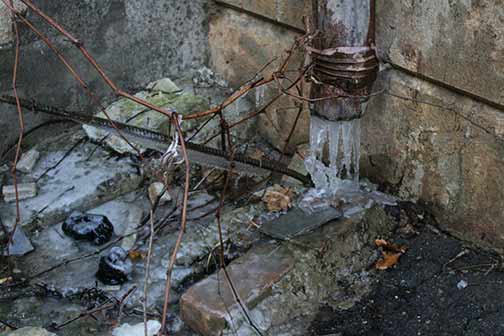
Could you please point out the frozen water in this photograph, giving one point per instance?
(153, 328)
(340, 166)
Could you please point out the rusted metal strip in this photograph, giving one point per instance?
(199, 153)
(344, 58)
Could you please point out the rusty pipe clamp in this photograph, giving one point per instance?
(342, 76)
(352, 69)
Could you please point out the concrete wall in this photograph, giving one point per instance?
(135, 41)
(436, 133)
(245, 36)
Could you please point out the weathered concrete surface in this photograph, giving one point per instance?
(460, 42)
(6, 31)
(283, 284)
(288, 12)
(441, 148)
(240, 46)
(29, 331)
(127, 111)
(78, 183)
(257, 271)
(135, 41)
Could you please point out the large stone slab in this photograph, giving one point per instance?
(77, 183)
(430, 144)
(460, 43)
(282, 284)
(287, 12)
(205, 306)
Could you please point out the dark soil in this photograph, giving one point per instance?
(420, 296)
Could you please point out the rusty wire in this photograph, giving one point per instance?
(218, 110)
(21, 125)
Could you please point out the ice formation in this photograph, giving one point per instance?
(334, 156)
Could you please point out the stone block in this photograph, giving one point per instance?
(240, 45)
(25, 191)
(291, 12)
(460, 43)
(287, 12)
(280, 283)
(6, 34)
(267, 8)
(426, 143)
(28, 161)
(253, 275)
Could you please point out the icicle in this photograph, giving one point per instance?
(342, 139)
(356, 149)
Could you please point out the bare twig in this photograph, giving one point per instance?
(21, 125)
(183, 223)
(147, 269)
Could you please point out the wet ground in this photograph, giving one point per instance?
(440, 287)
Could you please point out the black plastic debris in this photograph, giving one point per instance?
(115, 267)
(94, 228)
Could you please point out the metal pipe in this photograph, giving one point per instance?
(344, 57)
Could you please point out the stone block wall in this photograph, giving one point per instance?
(244, 37)
(436, 133)
(135, 41)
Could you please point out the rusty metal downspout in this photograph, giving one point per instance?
(344, 58)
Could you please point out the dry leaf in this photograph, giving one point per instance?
(387, 246)
(278, 198)
(390, 259)
(257, 155)
(135, 255)
(390, 254)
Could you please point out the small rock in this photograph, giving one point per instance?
(29, 331)
(164, 85)
(155, 190)
(93, 228)
(28, 161)
(25, 190)
(20, 245)
(205, 78)
(115, 267)
(462, 284)
(153, 328)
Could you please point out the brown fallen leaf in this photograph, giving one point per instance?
(135, 255)
(387, 246)
(257, 155)
(389, 260)
(390, 254)
(278, 198)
